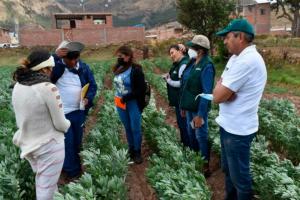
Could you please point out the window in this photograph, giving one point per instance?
(99, 21)
(262, 11)
(249, 8)
(72, 24)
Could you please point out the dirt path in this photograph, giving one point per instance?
(136, 181)
(216, 180)
(162, 104)
(92, 119)
(292, 98)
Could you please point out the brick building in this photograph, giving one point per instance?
(4, 35)
(258, 13)
(88, 28)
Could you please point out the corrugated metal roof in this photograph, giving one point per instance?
(252, 2)
(263, 1)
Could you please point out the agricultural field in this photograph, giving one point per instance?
(169, 171)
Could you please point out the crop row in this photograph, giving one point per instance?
(105, 160)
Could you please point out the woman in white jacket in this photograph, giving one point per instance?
(40, 120)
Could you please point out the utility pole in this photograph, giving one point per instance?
(82, 2)
(16, 34)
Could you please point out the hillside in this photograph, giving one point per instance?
(125, 13)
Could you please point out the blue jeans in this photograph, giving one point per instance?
(181, 122)
(236, 165)
(132, 119)
(193, 143)
(73, 140)
(199, 136)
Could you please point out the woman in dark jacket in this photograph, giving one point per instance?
(173, 79)
(129, 82)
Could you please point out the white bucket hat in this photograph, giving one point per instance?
(200, 40)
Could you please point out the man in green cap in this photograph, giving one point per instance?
(238, 94)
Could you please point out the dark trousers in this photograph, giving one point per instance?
(193, 143)
(236, 165)
(181, 122)
(199, 136)
(73, 140)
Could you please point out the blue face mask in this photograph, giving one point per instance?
(209, 97)
(192, 53)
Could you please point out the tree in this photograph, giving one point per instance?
(205, 17)
(290, 10)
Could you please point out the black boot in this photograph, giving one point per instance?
(131, 153)
(206, 170)
(137, 159)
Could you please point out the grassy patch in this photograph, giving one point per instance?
(288, 74)
(12, 57)
(273, 41)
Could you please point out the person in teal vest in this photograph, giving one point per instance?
(200, 80)
(173, 79)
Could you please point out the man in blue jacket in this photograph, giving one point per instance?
(70, 75)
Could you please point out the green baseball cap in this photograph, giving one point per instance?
(241, 25)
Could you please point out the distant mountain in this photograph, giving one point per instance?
(125, 12)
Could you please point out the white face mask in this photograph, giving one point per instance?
(192, 53)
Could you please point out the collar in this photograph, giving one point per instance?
(246, 50)
(77, 64)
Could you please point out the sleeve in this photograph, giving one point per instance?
(53, 101)
(177, 84)
(181, 70)
(172, 83)
(93, 86)
(57, 70)
(207, 80)
(139, 85)
(236, 76)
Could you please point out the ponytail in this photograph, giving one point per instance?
(22, 70)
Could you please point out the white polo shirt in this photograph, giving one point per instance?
(246, 75)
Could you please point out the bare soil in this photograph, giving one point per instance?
(136, 181)
(92, 119)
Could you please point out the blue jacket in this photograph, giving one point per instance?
(85, 75)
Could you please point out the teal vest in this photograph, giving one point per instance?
(173, 93)
(193, 86)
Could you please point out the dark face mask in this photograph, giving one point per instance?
(121, 61)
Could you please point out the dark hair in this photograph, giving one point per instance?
(35, 57)
(127, 51)
(72, 55)
(248, 37)
(174, 46)
(198, 47)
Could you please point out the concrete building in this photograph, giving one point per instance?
(258, 13)
(88, 28)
